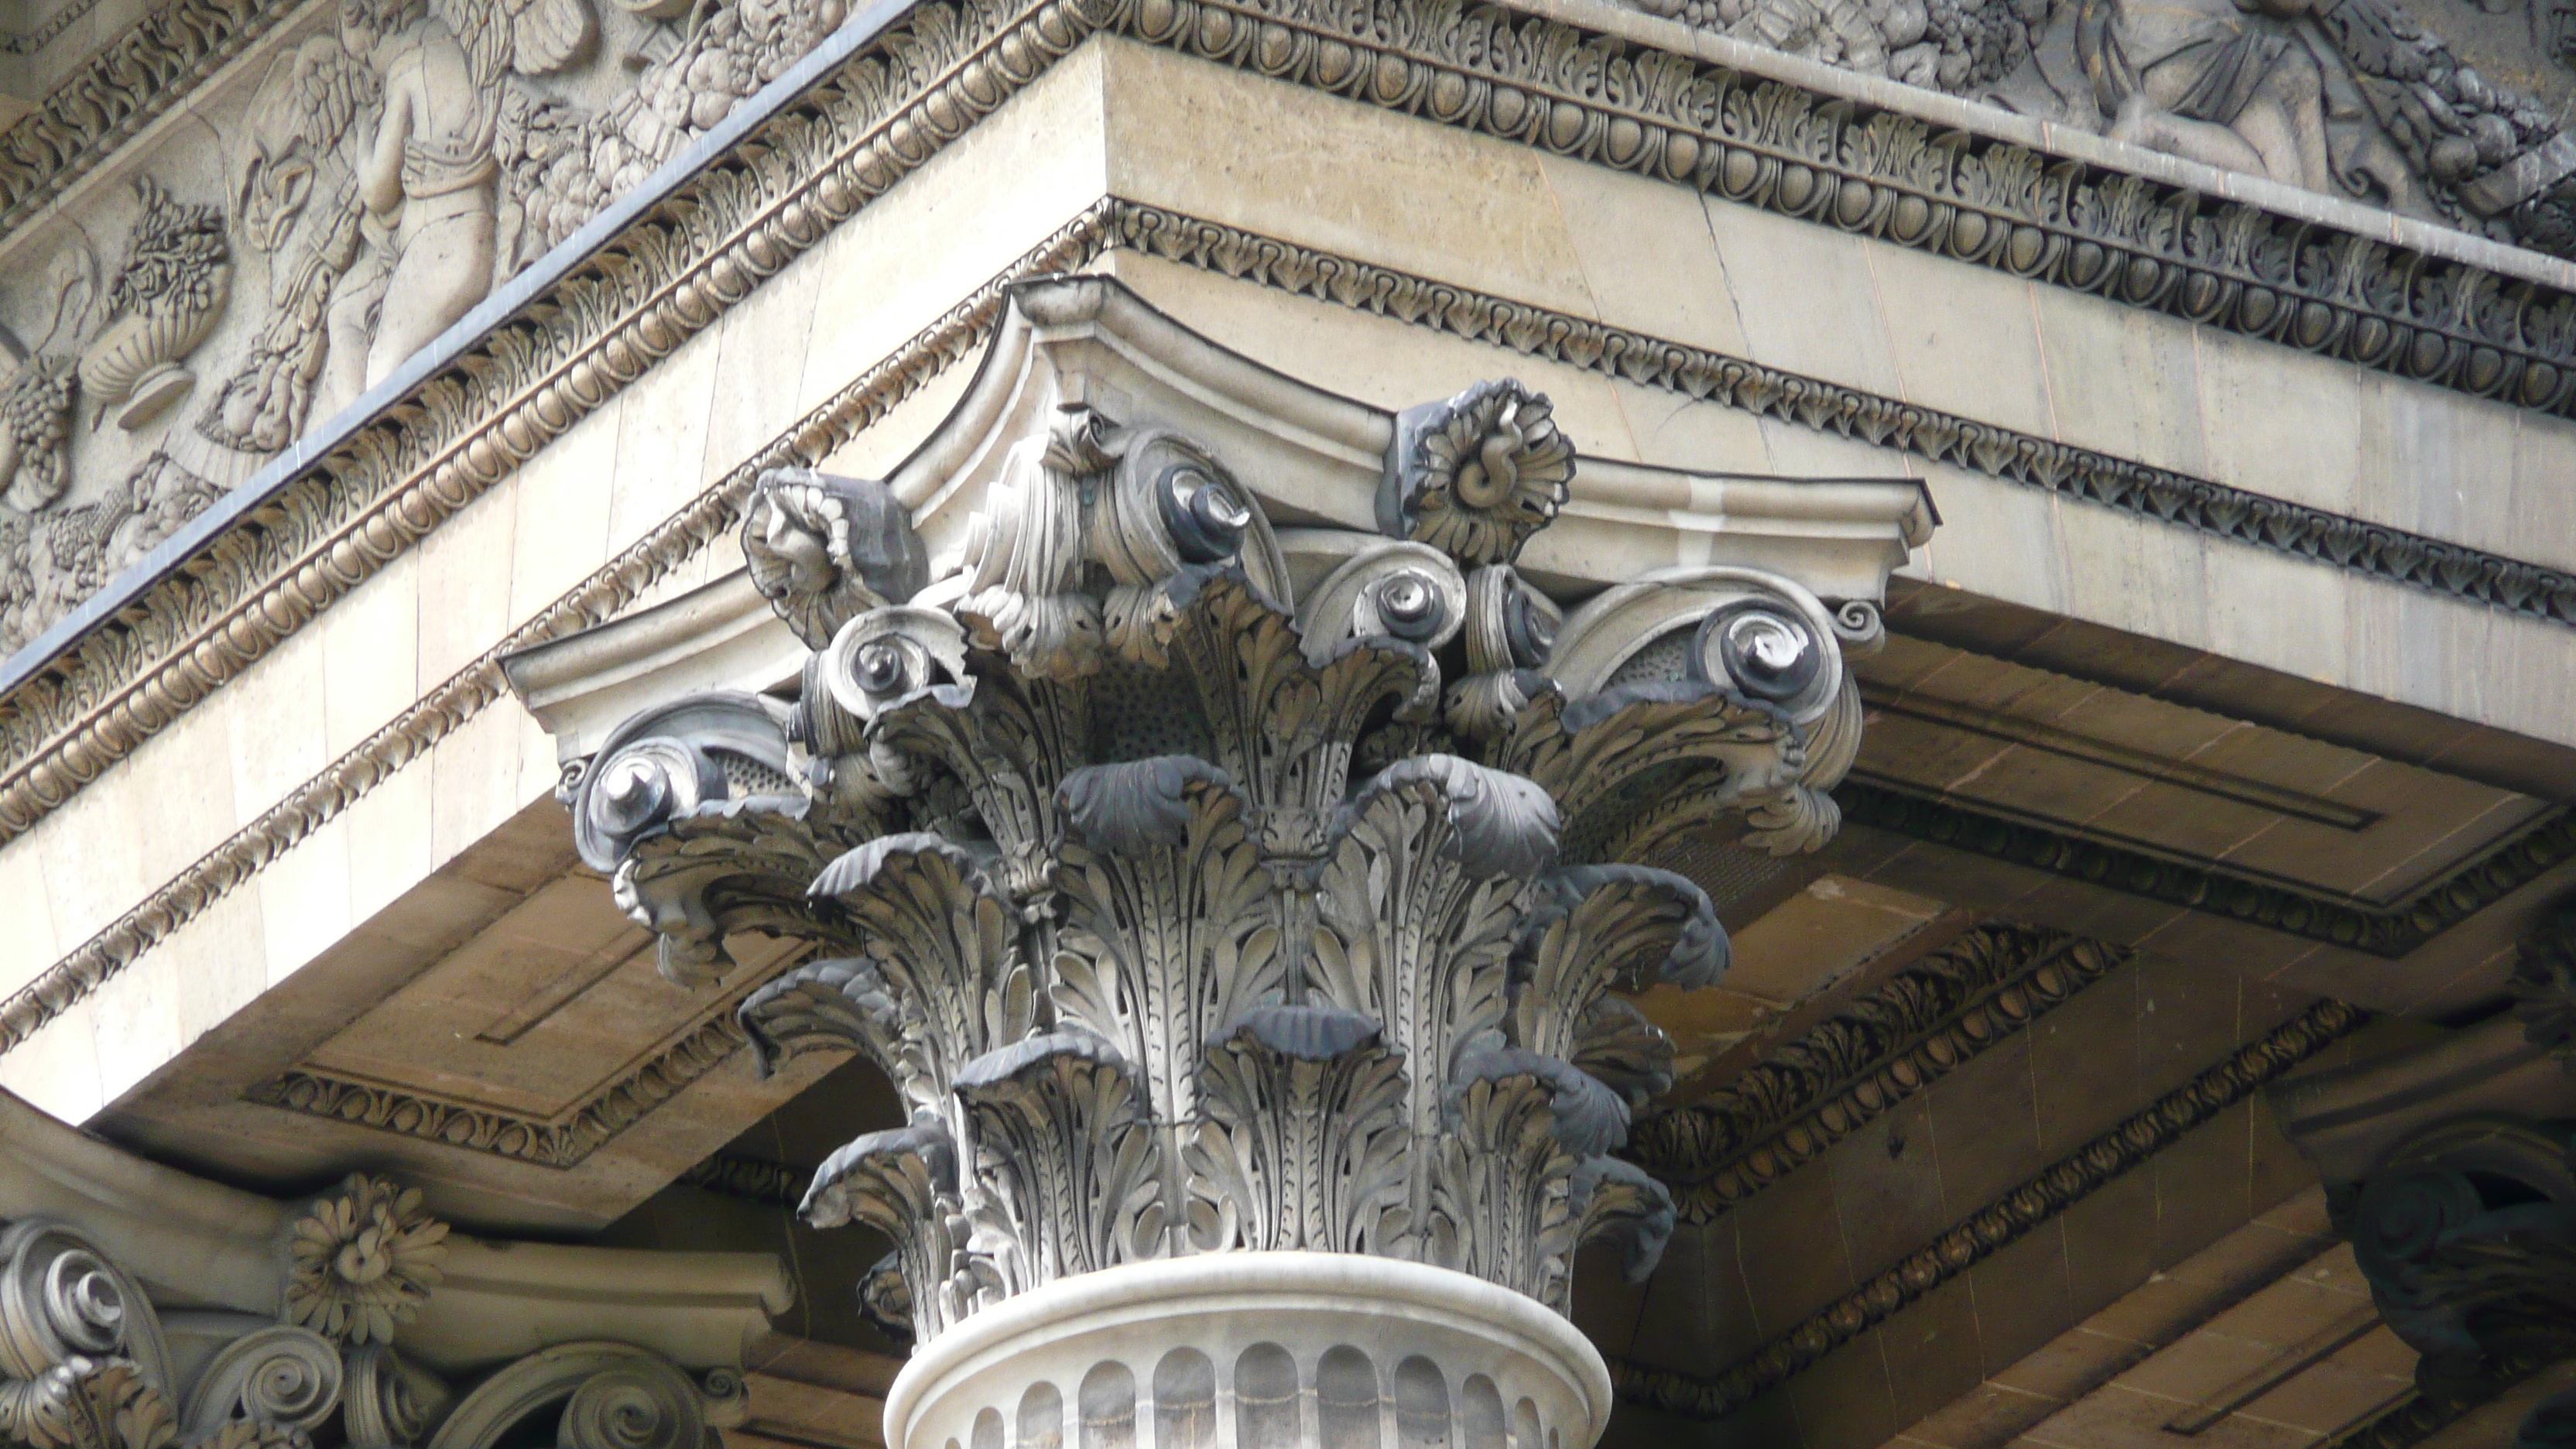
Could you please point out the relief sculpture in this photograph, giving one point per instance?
(387, 171)
(2353, 98)
(399, 170)
(393, 121)
(116, 353)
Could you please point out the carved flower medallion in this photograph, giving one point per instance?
(363, 1261)
(1480, 473)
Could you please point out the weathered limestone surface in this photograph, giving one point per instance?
(1392, 192)
(328, 913)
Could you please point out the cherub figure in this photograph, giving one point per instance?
(386, 132)
(425, 179)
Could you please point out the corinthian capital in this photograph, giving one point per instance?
(1207, 886)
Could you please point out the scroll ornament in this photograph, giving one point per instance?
(87, 1360)
(1190, 911)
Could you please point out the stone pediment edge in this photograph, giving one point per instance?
(155, 65)
(846, 125)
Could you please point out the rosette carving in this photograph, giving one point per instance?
(1477, 475)
(824, 550)
(363, 1261)
(1190, 915)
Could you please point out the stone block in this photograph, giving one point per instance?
(464, 582)
(371, 655)
(561, 533)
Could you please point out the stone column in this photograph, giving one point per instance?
(1248, 955)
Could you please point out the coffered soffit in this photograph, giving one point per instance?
(2161, 776)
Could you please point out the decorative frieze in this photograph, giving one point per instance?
(2360, 98)
(176, 279)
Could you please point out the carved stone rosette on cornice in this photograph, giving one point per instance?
(1229, 902)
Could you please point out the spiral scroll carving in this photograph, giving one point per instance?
(642, 1405)
(283, 1375)
(62, 1299)
(2467, 1234)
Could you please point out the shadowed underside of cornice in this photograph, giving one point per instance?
(1926, 1022)
(2040, 1198)
(2389, 931)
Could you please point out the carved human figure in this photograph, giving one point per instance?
(2233, 83)
(425, 180)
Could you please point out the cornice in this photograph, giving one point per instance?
(1978, 1237)
(923, 81)
(562, 1140)
(2130, 239)
(1927, 1021)
(2389, 931)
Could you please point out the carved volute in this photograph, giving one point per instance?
(1196, 917)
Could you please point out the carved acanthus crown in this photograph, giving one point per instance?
(1206, 886)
